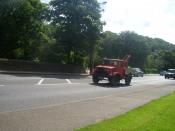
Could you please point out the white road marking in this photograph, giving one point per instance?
(57, 84)
(1, 85)
(40, 82)
(68, 81)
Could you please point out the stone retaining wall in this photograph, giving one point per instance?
(20, 65)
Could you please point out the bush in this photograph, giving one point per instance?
(150, 70)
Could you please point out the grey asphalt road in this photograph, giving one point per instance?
(57, 102)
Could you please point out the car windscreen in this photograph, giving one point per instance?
(172, 71)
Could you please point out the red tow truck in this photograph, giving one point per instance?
(113, 70)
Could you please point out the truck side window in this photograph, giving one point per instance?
(115, 63)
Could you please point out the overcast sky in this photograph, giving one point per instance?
(153, 18)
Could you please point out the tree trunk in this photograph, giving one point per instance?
(91, 60)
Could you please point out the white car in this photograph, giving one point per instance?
(137, 72)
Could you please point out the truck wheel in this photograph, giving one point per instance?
(95, 79)
(127, 81)
(166, 77)
(115, 80)
(128, 78)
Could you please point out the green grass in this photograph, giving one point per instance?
(158, 115)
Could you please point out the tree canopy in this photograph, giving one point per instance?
(78, 26)
(71, 32)
(21, 28)
(146, 52)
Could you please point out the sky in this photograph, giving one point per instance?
(153, 18)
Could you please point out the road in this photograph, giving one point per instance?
(57, 102)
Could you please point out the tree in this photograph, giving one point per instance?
(78, 27)
(21, 28)
(119, 45)
(136, 46)
(161, 60)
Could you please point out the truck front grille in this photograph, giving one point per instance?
(101, 72)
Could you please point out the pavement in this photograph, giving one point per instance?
(63, 102)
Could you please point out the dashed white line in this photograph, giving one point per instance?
(40, 82)
(68, 81)
(1, 85)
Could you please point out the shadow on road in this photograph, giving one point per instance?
(108, 85)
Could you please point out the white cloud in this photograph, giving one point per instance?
(45, 1)
(153, 18)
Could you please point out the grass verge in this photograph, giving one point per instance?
(158, 115)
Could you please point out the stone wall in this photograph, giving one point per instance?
(20, 65)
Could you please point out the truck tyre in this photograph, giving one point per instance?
(95, 79)
(115, 80)
(128, 79)
(166, 77)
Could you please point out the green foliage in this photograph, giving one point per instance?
(78, 27)
(151, 70)
(148, 53)
(21, 28)
(158, 44)
(161, 60)
(70, 32)
(119, 45)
